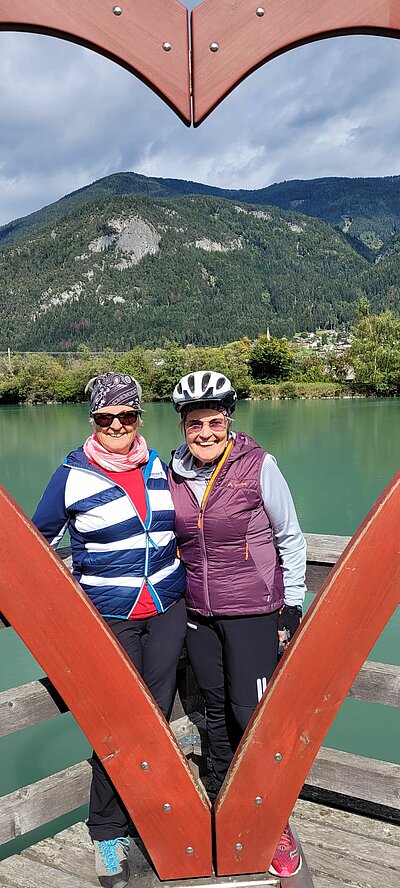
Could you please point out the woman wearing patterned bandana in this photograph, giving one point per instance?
(112, 495)
(245, 559)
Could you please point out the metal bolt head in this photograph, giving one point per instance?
(167, 807)
(260, 11)
(258, 800)
(189, 850)
(117, 10)
(144, 766)
(239, 846)
(214, 47)
(167, 46)
(278, 756)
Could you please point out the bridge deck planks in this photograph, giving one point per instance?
(343, 850)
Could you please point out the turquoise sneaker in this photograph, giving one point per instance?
(111, 865)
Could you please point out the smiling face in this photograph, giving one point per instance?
(206, 434)
(116, 438)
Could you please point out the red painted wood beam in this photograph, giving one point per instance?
(74, 647)
(283, 738)
(246, 40)
(150, 39)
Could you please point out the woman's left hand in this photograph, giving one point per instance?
(288, 621)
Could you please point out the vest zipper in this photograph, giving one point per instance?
(147, 537)
(200, 517)
(211, 482)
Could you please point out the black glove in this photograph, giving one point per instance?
(289, 620)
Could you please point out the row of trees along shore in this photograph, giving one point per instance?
(265, 368)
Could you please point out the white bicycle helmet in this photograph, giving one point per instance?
(204, 386)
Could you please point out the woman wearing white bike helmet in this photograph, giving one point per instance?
(245, 559)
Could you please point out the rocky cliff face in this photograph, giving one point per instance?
(196, 269)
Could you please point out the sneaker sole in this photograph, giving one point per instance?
(286, 875)
(120, 884)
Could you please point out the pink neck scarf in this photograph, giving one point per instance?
(116, 462)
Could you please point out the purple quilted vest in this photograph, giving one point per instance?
(231, 563)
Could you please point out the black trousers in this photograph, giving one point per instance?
(154, 646)
(233, 659)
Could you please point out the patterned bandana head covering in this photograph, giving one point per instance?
(112, 389)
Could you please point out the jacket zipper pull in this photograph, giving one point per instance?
(199, 518)
(246, 552)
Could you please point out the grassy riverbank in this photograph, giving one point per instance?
(265, 368)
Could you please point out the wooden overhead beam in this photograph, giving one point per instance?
(231, 38)
(148, 37)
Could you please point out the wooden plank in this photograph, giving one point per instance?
(21, 872)
(245, 40)
(134, 39)
(349, 869)
(362, 591)
(342, 849)
(315, 815)
(324, 548)
(77, 835)
(38, 701)
(59, 854)
(316, 575)
(377, 683)
(357, 848)
(28, 705)
(356, 776)
(41, 802)
(322, 881)
(94, 676)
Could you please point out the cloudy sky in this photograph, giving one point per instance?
(69, 116)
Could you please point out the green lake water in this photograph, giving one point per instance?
(337, 457)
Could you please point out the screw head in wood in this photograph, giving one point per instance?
(258, 800)
(189, 850)
(214, 47)
(144, 766)
(167, 46)
(167, 807)
(260, 11)
(117, 10)
(238, 846)
(278, 756)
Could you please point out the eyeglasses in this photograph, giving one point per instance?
(127, 418)
(193, 426)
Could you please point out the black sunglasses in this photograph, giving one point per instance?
(127, 418)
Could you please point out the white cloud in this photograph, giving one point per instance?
(69, 116)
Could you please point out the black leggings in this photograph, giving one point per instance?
(233, 659)
(154, 647)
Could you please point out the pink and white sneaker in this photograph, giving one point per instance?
(286, 860)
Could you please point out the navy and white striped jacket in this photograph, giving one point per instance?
(114, 552)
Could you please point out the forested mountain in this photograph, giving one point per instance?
(125, 270)
(367, 210)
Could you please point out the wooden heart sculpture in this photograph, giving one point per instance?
(54, 618)
(229, 38)
(71, 642)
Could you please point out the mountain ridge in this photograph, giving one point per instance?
(367, 209)
(155, 262)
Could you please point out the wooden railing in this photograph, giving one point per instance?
(333, 771)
